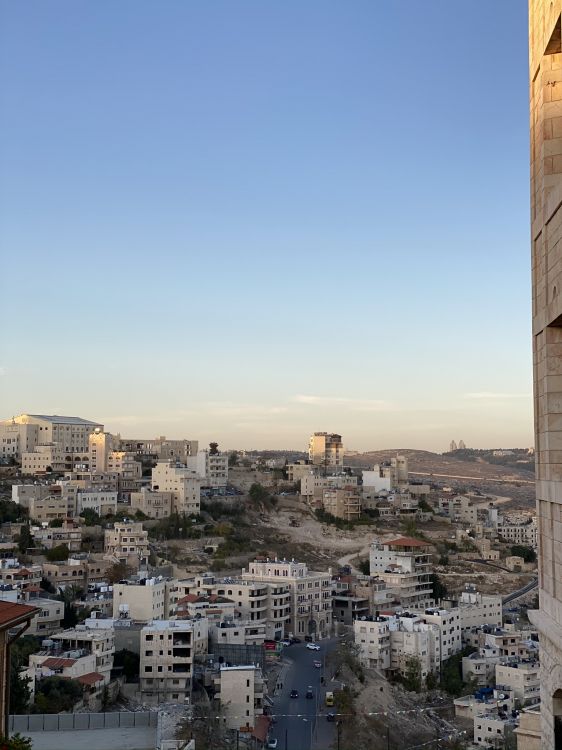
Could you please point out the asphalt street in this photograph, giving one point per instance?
(301, 722)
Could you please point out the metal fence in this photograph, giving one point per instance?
(74, 722)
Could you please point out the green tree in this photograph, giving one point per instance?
(527, 553)
(68, 596)
(130, 661)
(55, 554)
(451, 673)
(25, 540)
(15, 742)
(11, 512)
(118, 572)
(233, 458)
(432, 681)
(439, 589)
(364, 566)
(53, 695)
(20, 692)
(91, 518)
(56, 523)
(412, 679)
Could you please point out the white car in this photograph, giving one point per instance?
(313, 647)
(272, 744)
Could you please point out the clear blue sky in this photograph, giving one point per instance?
(251, 220)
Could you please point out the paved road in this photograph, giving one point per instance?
(521, 592)
(301, 722)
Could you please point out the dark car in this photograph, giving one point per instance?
(309, 692)
(296, 640)
(308, 638)
(294, 693)
(331, 716)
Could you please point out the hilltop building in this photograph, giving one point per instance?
(326, 449)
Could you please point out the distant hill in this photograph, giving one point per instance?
(436, 463)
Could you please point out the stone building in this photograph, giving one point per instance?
(545, 62)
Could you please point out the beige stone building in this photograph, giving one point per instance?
(183, 483)
(312, 484)
(69, 534)
(311, 593)
(31, 430)
(326, 450)
(240, 690)
(127, 542)
(42, 502)
(160, 448)
(258, 602)
(144, 600)
(344, 503)
(404, 564)
(49, 618)
(100, 445)
(211, 468)
(152, 503)
(168, 649)
(79, 571)
(545, 75)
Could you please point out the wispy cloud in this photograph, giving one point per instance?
(495, 396)
(354, 404)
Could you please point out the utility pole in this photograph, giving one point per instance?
(286, 733)
(388, 737)
(338, 725)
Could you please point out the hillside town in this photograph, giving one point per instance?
(128, 561)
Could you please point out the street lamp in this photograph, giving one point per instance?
(338, 726)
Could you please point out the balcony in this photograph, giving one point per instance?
(181, 653)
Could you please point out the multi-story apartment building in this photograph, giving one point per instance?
(83, 641)
(490, 729)
(183, 483)
(477, 609)
(160, 448)
(79, 571)
(311, 593)
(47, 459)
(70, 433)
(520, 677)
(525, 533)
(49, 618)
(100, 445)
(449, 623)
(258, 602)
(16, 439)
(211, 468)
(312, 485)
(127, 542)
(42, 502)
(342, 503)
(326, 449)
(299, 469)
(372, 635)
(460, 509)
(404, 564)
(389, 475)
(240, 690)
(152, 503)
(19, 576)
(167, 652)
(69, 534)
(145, 599)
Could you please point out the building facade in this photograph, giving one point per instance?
(326, 449)
(545, 70)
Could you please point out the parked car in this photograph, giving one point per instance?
(286, 642)
(317, 664)
(309, 692)
(296, 640)
(308, 638)
(330, 716)
(294, 693)
(272, 744)
(313, 646)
